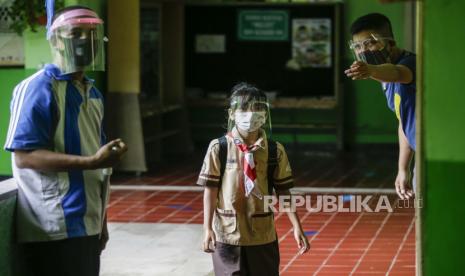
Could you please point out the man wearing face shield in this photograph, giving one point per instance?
(60, 155)
(76, 40)
(379, 58)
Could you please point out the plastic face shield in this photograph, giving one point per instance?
(255, 105)
(371, 50)
(77, 42)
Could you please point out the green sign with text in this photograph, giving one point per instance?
(263, 25)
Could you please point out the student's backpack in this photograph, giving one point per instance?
(272, 160)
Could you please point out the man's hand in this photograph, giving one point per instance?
(403, 187)
(209, 238)
(110, 154)
(302, 241)
(359, 70)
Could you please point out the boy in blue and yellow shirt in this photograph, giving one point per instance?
(379, 58)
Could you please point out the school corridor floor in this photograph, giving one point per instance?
(156, 220)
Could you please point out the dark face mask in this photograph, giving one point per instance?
(82, 49)
(375, 57)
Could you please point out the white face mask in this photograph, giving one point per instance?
(249, 121)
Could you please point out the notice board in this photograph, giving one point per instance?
(290, 48)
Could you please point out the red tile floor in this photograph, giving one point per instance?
(360, 243)
(342, 243)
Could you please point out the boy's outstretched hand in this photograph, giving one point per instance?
(302, 241)
(209, 239)
(359, 70)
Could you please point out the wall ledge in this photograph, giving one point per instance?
(8, 189)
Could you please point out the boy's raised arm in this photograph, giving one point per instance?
(391, 73)
(383, 73)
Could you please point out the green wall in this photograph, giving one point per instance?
(444, 138)
(444, 72)
(8, 80)
(37, 53)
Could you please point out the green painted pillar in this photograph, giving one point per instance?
(443, 216)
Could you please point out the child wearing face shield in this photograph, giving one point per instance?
(240, 169)
(60, 158)
(379, 58)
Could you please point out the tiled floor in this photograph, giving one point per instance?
(155, 249)
(342, 243)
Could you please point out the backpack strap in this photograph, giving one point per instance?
(222, 154)
(272, 164)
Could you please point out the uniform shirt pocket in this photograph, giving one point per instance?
(232, 164)
(225, 221)
(49, 185)
(262, 222)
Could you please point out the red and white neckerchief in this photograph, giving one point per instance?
(250, 173)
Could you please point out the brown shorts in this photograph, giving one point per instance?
(255, 260)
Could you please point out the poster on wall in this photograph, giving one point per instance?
(11, 44)
(263, 25)
(311, 43)
(210, 44)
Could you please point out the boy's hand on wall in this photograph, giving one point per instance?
(359, 70)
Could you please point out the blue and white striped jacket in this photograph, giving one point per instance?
(50, 111)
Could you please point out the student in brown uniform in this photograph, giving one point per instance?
(239, 169)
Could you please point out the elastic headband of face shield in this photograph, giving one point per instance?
(77, 41)
(246, 104)
(76, 17)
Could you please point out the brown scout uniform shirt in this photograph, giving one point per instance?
(241, 220)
